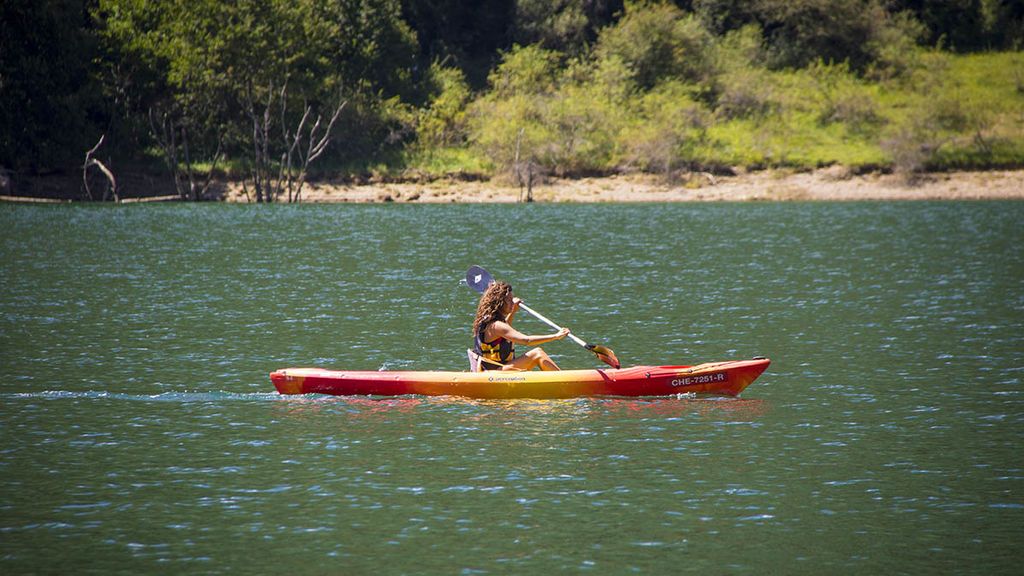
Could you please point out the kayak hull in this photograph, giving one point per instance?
(718, 378)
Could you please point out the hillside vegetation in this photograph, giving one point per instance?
(248, 89)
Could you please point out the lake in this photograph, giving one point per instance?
(140, 432)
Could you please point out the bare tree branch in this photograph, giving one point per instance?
(85, 166)
(213, 169)
(295, 158)
(90, 161)
(316, 151)
(172, 132)
(316, 146)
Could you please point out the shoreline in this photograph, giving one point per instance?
(830, 184)
(834, 184)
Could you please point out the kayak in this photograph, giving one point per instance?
(719, 378)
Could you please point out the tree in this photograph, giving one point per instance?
(46, 88)
(218, 74)
(443, 121)
(657, 41)
(960, 24)
(567, 26)
(801, 32)
(163, 77)
(672, 127)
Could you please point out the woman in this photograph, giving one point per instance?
(494, 338)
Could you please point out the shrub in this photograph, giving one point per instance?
(612, 78)
(746, 92)
(741, 48)
(843, 97)
(669, 127)
(908, 151)
(443, 121)
(524, 70)
(559, 26)
(501, 127)
(564, 125)
(854, 31)
(938, 122)
(893, 49)
(584, 121)
(657, 41)
(508, 120)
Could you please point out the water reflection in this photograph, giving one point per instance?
(365, 407)
(733, 409)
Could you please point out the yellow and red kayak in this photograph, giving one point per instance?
(720, 378)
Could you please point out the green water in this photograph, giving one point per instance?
(139, 432)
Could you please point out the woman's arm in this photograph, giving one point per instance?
(507, 332)
(515, 308)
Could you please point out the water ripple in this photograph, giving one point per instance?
(140, 429)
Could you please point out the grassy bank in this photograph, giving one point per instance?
(951, 112)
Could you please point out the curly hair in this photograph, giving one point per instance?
(489, 308)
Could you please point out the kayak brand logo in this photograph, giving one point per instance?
(506, 379)
(702, 379)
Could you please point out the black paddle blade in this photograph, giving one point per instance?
(605, 354)
(478, 279)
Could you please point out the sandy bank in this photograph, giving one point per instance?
(833, 184)
(830, 184)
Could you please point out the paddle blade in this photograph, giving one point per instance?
(478, 279)
(606, 355)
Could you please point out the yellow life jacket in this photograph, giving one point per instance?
(495, 353)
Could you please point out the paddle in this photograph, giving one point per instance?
(479, 279)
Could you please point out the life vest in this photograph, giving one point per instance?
(493, 353)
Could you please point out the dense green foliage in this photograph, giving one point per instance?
(571, 86)
(48, 96)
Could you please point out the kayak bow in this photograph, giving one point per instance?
(720, 378)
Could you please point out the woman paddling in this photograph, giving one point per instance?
(494, 338)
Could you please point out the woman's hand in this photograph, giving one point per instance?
(515, 303)
(562, 333)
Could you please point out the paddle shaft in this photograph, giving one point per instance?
(540, 317)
